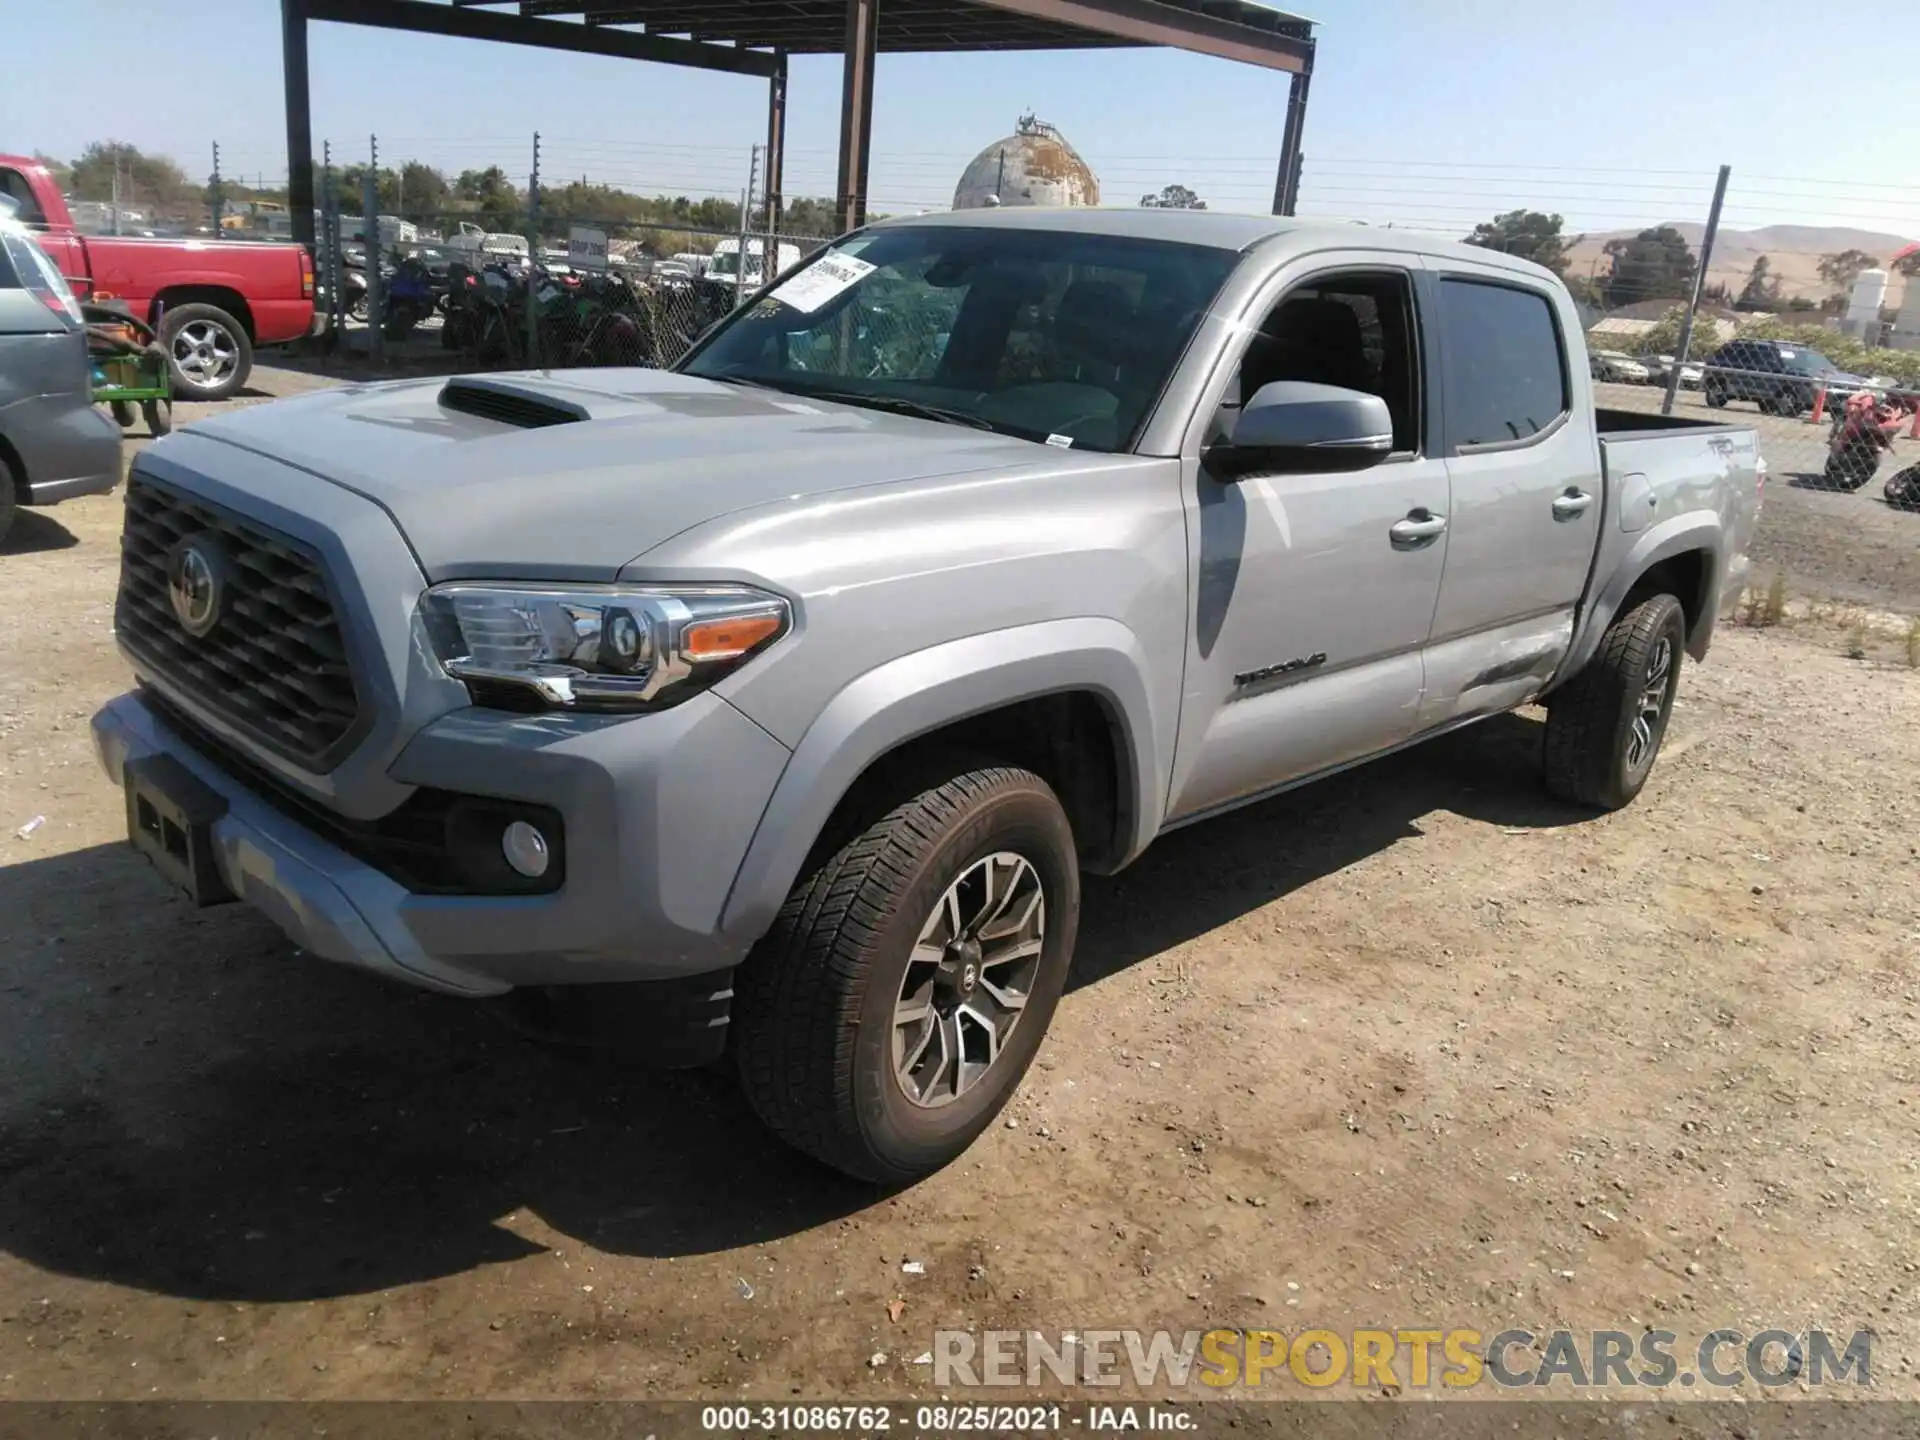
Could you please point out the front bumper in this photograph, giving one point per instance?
(658, 815)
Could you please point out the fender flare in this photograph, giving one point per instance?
(1679, 536)
(920, 693)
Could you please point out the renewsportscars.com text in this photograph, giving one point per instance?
(1402, 1359)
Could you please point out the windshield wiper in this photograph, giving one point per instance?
(897, 405)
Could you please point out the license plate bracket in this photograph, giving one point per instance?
(170, 817)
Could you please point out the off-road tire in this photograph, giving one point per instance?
(813, 1010)
(1590, 719)
(123, 414)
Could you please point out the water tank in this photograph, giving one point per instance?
(1033, 166)
(1863, 310)
(1906, 325)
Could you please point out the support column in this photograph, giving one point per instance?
(293, 60)
(776, 140)
(1286, 184)
(856, 110)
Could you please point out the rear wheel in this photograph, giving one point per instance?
(1604, 727)
(1714, 396)
(122, 413)
(208, 351)
(158, 415)
(909, 979)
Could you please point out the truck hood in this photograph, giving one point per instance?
(621, 461)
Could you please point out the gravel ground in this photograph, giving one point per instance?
(1414, 1046)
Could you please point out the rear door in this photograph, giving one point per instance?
(1524, 471)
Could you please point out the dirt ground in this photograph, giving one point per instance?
(1412, 1047)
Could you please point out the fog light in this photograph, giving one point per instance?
(525, 848)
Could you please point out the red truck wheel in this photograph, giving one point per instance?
(208, 351)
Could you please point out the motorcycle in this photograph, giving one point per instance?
(1862, 433)
(411, 297)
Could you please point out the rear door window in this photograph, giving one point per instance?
(1505, 378)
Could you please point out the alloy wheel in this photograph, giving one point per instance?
(968, 979)
(1650, 714)
(205, 353)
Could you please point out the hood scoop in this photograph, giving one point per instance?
(509, 404)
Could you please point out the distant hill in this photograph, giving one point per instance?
(1793, 253)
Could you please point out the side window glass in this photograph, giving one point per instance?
(1352, 330)
(26, 209)
(1506, 373)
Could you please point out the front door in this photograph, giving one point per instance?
(1527, 495)
(1313, 593)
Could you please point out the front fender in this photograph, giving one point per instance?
(1681, 535)
(925, 691)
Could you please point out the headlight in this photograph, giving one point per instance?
(597, 647)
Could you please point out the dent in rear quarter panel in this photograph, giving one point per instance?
(897, 569)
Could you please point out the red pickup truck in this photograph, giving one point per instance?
(213, 300)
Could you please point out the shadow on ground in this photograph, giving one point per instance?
(187, 1107)
(33, 532)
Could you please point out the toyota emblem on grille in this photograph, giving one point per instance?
(196, 585)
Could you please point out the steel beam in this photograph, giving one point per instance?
(1286, 185)
(776, 143)
(1146, 23)
(856, 110)
(293, 63)
(428, 19)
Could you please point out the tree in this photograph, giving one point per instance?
(1654, 265)
(61, 171)
(492, 195)
(1173, 197)
(142, 179)
(1843, 267)
(1529, 234)
(1762, 290)
(1908, 262)
(423, 189)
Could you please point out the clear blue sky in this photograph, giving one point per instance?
(1426, 112)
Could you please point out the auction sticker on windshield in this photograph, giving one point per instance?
(821, 281)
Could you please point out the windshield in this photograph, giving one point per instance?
(727, 262)
(1808, 362)
(1049, 335)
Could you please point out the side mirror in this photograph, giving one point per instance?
(1294, 427)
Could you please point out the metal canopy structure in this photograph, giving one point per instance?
(755, 37)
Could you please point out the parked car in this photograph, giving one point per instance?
(54, 443)
(213, 301)
(773, 704)
(1659, 367)
(1778, 376)
(1617, 366)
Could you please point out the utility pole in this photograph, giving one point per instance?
(746, 208)
(1699, 284)
(216, 200)
(370, 237)
(533, 256)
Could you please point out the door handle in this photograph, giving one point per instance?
(1571, 505)
(1420, 526)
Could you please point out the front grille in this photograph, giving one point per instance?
(275, 662)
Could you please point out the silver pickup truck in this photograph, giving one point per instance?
(771, 706)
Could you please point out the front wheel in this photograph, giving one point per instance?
(906, 985)
(1604, 726)
(1714, 396)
